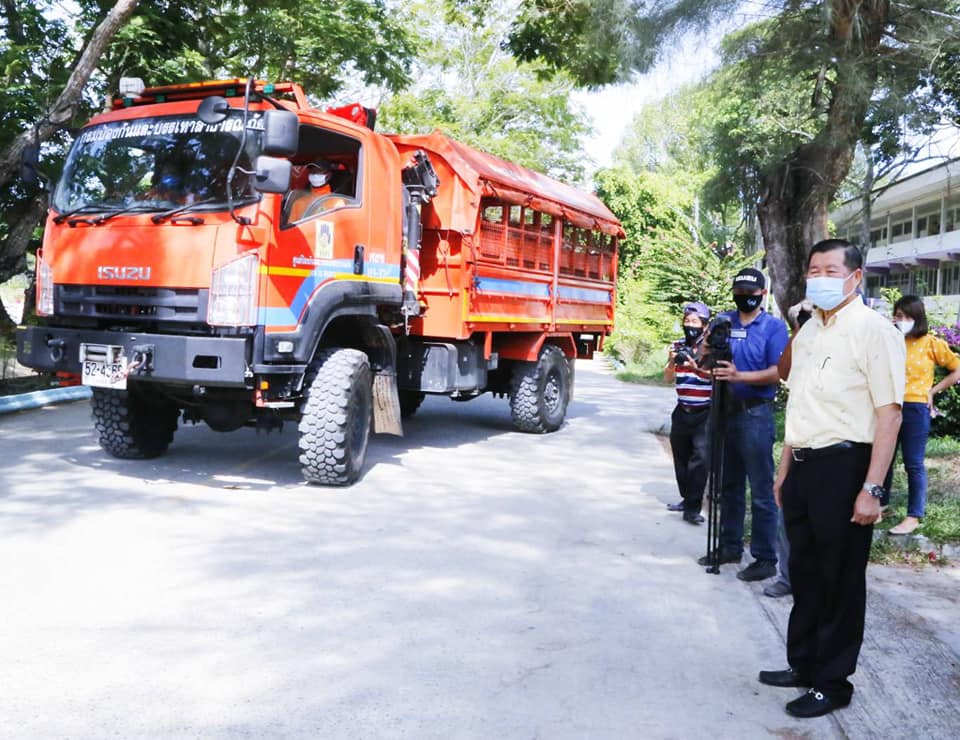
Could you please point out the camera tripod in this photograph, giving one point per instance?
(716, 429)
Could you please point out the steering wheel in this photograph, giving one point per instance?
(326, 203)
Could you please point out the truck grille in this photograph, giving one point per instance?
(186, 305)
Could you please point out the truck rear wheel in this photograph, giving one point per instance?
(540, 392)
(133, 424)
(335, 424)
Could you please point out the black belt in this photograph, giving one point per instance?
(736, 405)
(804, 454)
(693, 409)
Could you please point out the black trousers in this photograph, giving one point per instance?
(691, 454)
(828, 561)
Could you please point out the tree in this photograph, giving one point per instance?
(468, 86)
(848, 58)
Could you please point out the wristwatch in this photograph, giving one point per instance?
(877, 491)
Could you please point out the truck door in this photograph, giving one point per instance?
(323, 225)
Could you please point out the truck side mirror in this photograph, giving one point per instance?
(29, 163)
(273, 175)
(212, 110)
(281, 133)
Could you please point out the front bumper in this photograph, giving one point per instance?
(214, 361)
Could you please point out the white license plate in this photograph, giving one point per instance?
(103, 366)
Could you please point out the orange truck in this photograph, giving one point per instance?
(223, 252)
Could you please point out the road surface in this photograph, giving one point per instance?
(476, 583)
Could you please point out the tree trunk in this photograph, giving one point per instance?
(793, 216)
(13, 250)
(62, 111)
(866, 206)
(796, 194)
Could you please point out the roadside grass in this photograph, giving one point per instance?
(649, 371)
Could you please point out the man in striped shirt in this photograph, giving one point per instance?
(688, 427)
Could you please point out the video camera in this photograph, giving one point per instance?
(718, 342)
(682, 354)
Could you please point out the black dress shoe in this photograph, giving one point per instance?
(675, 507)
(785, 679)
(726, 556)
(814, 704)
(692, 517)
(758, 570)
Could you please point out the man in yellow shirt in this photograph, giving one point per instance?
(846, 390)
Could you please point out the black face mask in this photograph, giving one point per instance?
(748, 303)
(692, 333)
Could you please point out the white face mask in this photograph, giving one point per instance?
(906, 325)
(318, 179)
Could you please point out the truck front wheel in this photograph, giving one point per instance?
(540, 392)
(335, 423)
(132, 424)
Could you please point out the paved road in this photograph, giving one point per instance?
(476, 583)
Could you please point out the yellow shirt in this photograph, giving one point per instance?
(923, 355)
(841, 372)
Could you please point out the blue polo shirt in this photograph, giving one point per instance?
(756, 346)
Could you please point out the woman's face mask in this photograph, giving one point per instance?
(692, 333)
(905, 325)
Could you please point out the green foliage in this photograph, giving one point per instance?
(681, 269)
(664, 261)
(648, 206)
(642, 326)
(474, 91)
(891, 294)
(604, 41)
(760, 104)
(322, 44)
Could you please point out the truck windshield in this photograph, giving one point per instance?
(158, 164)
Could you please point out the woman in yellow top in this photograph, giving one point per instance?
(924, 353)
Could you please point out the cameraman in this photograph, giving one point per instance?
(688, 425)
(757, 340)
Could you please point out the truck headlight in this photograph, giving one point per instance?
(233, 293)
(44, 288)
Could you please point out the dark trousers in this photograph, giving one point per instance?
(828, 561)
(691, 454)
(748, 455)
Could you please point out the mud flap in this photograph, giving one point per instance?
(386, 405)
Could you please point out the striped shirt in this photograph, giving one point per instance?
(693, 386)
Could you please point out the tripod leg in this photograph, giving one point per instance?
(717, 433)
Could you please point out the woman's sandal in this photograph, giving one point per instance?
(907, 526)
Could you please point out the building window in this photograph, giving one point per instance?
(951, 279)
(899, 280)
(874, 284)
(924, 282)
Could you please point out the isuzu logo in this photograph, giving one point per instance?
(126, 272)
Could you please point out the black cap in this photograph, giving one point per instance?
(749, 277)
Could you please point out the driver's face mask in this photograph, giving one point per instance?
(318, 179)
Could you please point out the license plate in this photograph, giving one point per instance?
(103, 366)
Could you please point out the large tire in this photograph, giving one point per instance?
(540, 392)
(409, 402)
(335, 423)
(133, 424)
